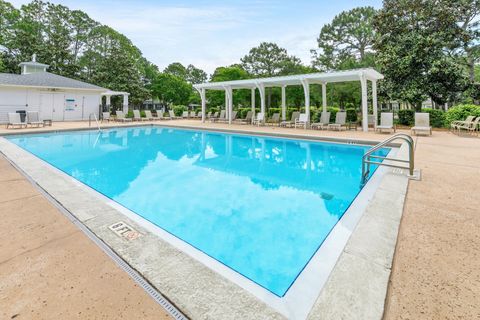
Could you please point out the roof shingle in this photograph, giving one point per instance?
(45, 80)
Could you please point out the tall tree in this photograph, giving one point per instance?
(177, 69)
(171, 89)
(195, 75)
(190, 73)
(233, 72)
(416, 50)
(348, 40)
(269, 60)
(74, 45)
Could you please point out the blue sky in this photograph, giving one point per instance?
(212, 33)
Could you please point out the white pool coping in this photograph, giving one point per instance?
(300, 300)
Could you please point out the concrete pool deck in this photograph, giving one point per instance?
(434, 155)
(50, 270)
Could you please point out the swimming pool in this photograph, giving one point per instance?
(261, 206)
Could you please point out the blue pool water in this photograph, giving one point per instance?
(262, 206)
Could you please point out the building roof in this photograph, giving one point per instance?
(318, 78)
(45, 80)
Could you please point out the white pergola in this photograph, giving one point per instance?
(109, 94)
(305, 80)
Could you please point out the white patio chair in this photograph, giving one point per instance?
(386, 122)
(422, 123)
(302, 121)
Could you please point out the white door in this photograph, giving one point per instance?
(52, 106)
(58, 107)
(46, 106)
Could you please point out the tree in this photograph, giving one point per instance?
(348, 39)
(74, 45)
(190, 74)
(176, 69)
(269, 60)
(416, 51)
(467, 14)
(171, 89)
(233, 72)
(195, 75)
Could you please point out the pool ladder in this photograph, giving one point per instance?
(368, 156)
(96, 121)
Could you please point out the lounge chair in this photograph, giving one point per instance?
(247, 119)
(302, 121)
(106, 116)
(371, 120)
(33, 119)
(259, 119)
(340, 119)
(199, 115)
(172, 115)
(422, 123)
(468, 121)
(137, 116)
(386, 122)
(208, 115)
(193, 115)
(15, 120)
(234, 117)
(324, 121)
(274, 120)
(470, 127)
(221, 117)
(121, 116)
(185, 115)
(286, 123)
(149, 116)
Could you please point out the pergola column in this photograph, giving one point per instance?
(253, 103)
(125, 103)
(284, 103)
(375, 102)
(108, 102)
(204, 103)
(324, 98)
(226, 103)
(261, 89)
(306, 90)
(364, 84)
(229, 107)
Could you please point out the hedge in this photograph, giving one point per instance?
(437, 117)
(461, 112)
(178, 110)
(352, 115)
(406, 117)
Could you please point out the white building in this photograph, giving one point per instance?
(55, 97)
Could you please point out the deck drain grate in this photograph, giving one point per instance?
(138, 278)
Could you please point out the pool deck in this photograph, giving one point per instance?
(435, 273)
(50, 270)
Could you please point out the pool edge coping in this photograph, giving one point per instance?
(352, 252)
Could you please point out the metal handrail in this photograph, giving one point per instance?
(366, 159)
(96, 120)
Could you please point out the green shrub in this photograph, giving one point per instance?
(271, 111)
(437, 117)
(352, 115)
(461, 112)
(178, 110)
(242, 112)
(406, 117)
(333, 113)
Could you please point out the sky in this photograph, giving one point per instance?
(213, 33)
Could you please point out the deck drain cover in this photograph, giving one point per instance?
(125, 231)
